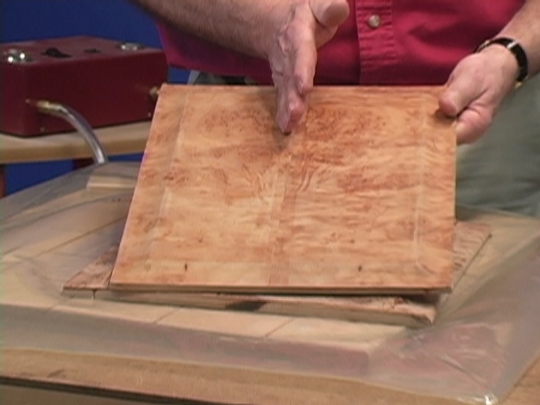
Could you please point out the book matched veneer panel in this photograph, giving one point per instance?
(360, 198)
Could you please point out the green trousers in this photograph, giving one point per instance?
(502, 169)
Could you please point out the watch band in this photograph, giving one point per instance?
(516, 49)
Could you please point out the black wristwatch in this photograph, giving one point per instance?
(516, 49)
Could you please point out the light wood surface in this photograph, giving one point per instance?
(50, 243)
(220, 385)
(116, 140)
(360, 199)
(411, 312)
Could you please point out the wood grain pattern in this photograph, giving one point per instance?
(469, 239)
(96, 275)
(360, 199)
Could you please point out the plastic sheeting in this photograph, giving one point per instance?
(480, 346)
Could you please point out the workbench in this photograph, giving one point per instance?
(116, 140)
(59, 342)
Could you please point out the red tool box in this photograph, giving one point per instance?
(107, 82)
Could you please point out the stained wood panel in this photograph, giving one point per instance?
(468, 241)
(359, 199)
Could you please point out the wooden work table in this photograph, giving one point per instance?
(116, 140)
(57, 341)
(122, 377)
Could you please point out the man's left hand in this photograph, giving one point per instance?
(476, 89)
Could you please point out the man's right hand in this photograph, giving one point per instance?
(300, 29)
(285, 32)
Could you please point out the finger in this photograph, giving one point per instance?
(296, 79)
(304, 62)
(296, 110)
(290, 105)
(290, 110)
(472, 124)
(330, 13)
(461, 90)
(299, 71)
(457, 96)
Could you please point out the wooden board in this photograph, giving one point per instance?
(470, 238)
(360, 199)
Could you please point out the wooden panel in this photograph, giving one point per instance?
(470, 238)
(360, 199)
(96, 275)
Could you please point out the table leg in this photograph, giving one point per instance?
(3, 182)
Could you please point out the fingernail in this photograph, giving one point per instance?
(448, 103)
(283, 123)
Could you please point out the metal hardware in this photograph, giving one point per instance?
(79, 123)
(16, 56)
(130, 46)
(154, 93)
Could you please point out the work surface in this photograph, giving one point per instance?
(180, 352)
(116, 140)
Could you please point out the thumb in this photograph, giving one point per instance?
(459, 93)
(330, 13)
(472, 123)
(466, 99)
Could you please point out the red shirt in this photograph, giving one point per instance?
(382, 42)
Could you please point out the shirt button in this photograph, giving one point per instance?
(374, 21)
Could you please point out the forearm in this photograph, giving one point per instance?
(241, 25)
(525, 28)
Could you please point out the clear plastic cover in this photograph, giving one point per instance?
(482, 343)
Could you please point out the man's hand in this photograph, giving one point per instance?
(476, 89)
(301, 30)
(286, 33)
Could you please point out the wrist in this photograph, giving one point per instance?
(509, 54)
